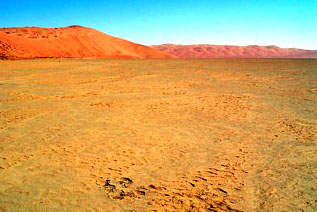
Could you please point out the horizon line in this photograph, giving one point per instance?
(167, 43)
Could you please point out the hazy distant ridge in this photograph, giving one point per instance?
(226, 51)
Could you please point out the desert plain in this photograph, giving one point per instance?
(158, 135)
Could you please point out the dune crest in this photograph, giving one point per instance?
(226, 51)
(69, 42)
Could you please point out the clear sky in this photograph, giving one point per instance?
(285, 23)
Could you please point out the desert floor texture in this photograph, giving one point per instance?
(158, 135)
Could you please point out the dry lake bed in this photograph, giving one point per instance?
(158, 135)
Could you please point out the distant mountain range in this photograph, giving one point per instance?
(226, 51)
(82, 42)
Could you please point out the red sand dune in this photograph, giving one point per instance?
(225, 51)
(72, 41)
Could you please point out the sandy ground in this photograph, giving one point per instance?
(158, 135)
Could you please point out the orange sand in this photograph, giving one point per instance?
(73, 42)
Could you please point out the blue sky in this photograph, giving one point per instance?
(285, 23)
